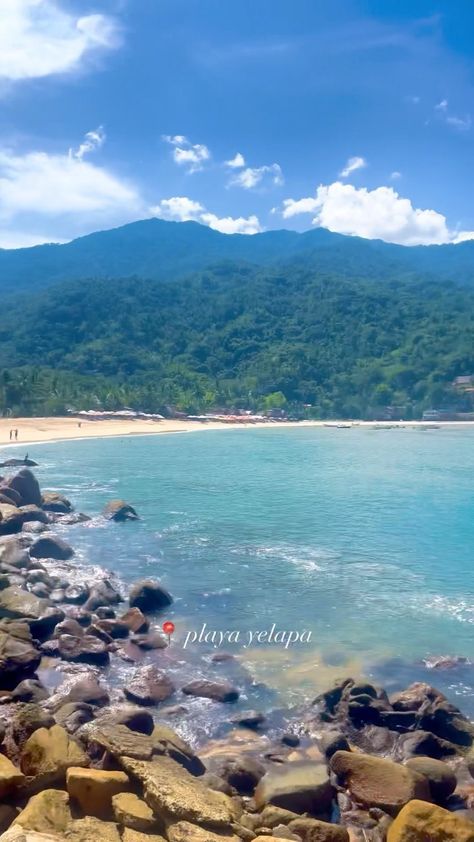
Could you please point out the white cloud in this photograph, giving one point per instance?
(93, 140)
(38, 38)
(461, 123)
(187, 154)
(395, 175)
(252, 177)
(183, 209)
(353, 164)
(442, 106)
(236, 162)
(375, 214)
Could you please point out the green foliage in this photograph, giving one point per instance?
(316, 341)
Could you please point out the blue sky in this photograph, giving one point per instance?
(356, 115)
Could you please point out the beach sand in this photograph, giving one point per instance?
(34, 430)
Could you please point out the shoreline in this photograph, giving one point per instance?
(56, 429)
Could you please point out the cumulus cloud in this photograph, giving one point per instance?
(38, 38)
(236, 162)
(183, 209)
(375, 214)
(186, 154)
(251, 177)
(61, 193)
(353, 164)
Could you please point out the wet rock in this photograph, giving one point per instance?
(34, 527)
(49, 546)
(11, 778)
(241, 772)
(217, 691)
(48, 753)
(312, 830)
(135, 718)
(333, 741)
(30, 690)
(52, 501)
(46, 812)
(7, 815)
(93, 789)
(12, 519)
(149, 595)
(135, 621)
(19, 658)
(149, 686)
(120, 511)
(130, 811)
(10, 496)
(74, 715)
(18, 604)
(114, 628)
(419, 821)
(76, 594)
(376, 782)
(28, 719)
(83, 688)
(440, 776)
(44, 625)
(272, 817)
(105, 612)
(167, 742)
(69, 626)
(174, 794)
(91, 829)
(150, 641)
(103, 593)
(27, 486)
(424, 743)
(81, 616)
(291, 740)
(299, 787)
(249, 719)
(14, 552)
(86, 649)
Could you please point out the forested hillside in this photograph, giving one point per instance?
(242, 336)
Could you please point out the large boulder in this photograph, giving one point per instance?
(116, 740)
(167, 742)
(27, 719)
(52, 501)
(86, 649)
(135, 621)
(12, 519)
(17, 604)
(19, 658)
(119, 510)
(130, 835)
(46, 812)
(149, 686)
(80, 688)
(149, 595)
(302, 787)
(50, 546)
(377, 782)
(10, 777)
(91, 829)
(131, 811)
(93, 789)
(441, 778)
(420, 822)
(48, 753)
(175, 795)
(312, 830)
(27, 486)
(218, 691)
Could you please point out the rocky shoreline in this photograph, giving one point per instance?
(81, 760)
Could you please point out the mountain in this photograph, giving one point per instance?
(161, 250)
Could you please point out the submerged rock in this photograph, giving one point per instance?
(217, 691)
(85, 649)
(119, 510)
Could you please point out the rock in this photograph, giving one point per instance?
(17, 834)
(91, 829)
(424, 743)
(333, 741)
(272, 816)
(18, 604)
(76, 594)
(135, 718)
(217, 691)
(114, 628)
(93, 789)
(28, 719)
(83, 617)
(103, 593)
(130, 811)
(151, 640)
(83, 688)
(11, 778)
(73, 715)
(49, 546)
(30, 690)
(135, 836)
(69, 626)
(119, 510)
(175, 795)
(166, 741)
(27, 486)
(312, 830)
(149, 595)
(44, 625)
(12, 519)
(187, 832)
(435, 713)
(240, 771)
(301, 786)
(419, 822)
(7, 815)
(48, 753)
(19, 658)
(86, 649)
(376, 782)
(149, 686)
(34, 527)
(14, 552)
(117, 740)
(52, 501)
(441, 778)
(47, 812)
(249, 719)
(10, 496)
(135, 621)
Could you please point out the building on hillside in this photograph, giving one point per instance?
(464, 383)
(439, 415)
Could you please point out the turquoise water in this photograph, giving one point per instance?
(363, 538)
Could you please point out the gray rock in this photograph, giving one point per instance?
(217, 691)
(51, 547)
(119, 510)
(149, 686)
(149, 595)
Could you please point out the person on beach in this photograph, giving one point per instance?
(11, 434)
(16, 435)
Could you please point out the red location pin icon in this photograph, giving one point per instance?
(168, 629)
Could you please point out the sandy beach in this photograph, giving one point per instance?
(35, 430)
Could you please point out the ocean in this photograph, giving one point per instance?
(356, 544)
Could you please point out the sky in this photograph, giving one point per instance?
(353, 115)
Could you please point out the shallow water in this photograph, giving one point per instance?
(363, 538)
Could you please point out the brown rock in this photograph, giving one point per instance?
(217, 691)
(166, 741)
(149, 686)
(135, 620)
(440, 776)
(130, 811)
(47, 812)
(91, 829)
(187, 832)
(93, 789)
(86, 649)
(136, 836)
(27, 486)
(420, 822)
(10, 777)
(312, 830)
(148, 595)
(48, 753)
(49, 546)
(299, 786)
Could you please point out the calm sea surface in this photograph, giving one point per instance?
(363, 538)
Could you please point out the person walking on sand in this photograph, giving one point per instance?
(11, 434)
(16, 435)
